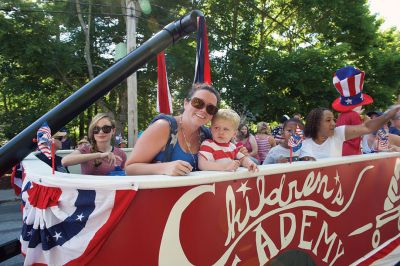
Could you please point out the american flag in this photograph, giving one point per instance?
(44, 139)
(295, 142)
(299, 132)
(382, 140)
(63, 225)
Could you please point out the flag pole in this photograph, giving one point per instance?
(52, 157)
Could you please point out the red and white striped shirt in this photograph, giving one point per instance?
(219, 152)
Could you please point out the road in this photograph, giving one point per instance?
(10, 228)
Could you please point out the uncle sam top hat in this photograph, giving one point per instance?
(349, 83)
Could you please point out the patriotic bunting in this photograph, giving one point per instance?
(67, 226)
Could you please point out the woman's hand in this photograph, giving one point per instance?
(177, 168)
(111, 158)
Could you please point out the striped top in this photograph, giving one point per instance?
(264, 146)
(219, 152)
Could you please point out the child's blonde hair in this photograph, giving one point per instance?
(229, 115)
(263, 127)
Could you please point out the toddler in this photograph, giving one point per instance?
(219, 153)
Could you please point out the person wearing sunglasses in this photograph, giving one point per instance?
(99, 157)
(169, 146)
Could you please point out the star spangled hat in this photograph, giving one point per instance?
(349, 83)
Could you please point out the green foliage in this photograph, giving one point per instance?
(267, 57)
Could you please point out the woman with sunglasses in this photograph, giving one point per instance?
(153, 152)
(99, 157)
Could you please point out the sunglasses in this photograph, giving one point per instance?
(199, 104)
(106, 129)
(58, 138)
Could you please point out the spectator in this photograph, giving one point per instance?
(248, 141)
(83, 141)
(66, 143)
(265, 141)
(169, 146)
(298, 116)
(219, 153)
(100, 157)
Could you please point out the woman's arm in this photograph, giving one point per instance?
(76, 157)
(355, 131)
(254, 147)
(150, 143)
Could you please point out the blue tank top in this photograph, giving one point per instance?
(179, 154)
(173, 150)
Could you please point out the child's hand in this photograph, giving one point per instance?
(252, 167)
(307, 158)
(282, 160)
(232, 166)
(244, 150)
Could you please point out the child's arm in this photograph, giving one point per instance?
(205, 164)
(249, 164)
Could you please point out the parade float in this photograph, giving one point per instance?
(339, 211)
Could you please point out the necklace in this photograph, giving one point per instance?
(188, 144)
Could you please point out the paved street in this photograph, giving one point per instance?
(10, 223)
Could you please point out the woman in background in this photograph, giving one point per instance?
(247, 140)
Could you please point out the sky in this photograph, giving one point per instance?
(388, 10)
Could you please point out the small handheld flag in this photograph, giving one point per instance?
(294, 143)
(299, 132)
(46, 144)
(44, 140)
(382, 138)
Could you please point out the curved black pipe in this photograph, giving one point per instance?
(21, 145)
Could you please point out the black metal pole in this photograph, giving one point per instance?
(21, 145)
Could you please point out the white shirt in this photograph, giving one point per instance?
(331, 147)
(278, 151)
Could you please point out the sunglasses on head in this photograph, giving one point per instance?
(199, 104)
(106, 129)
